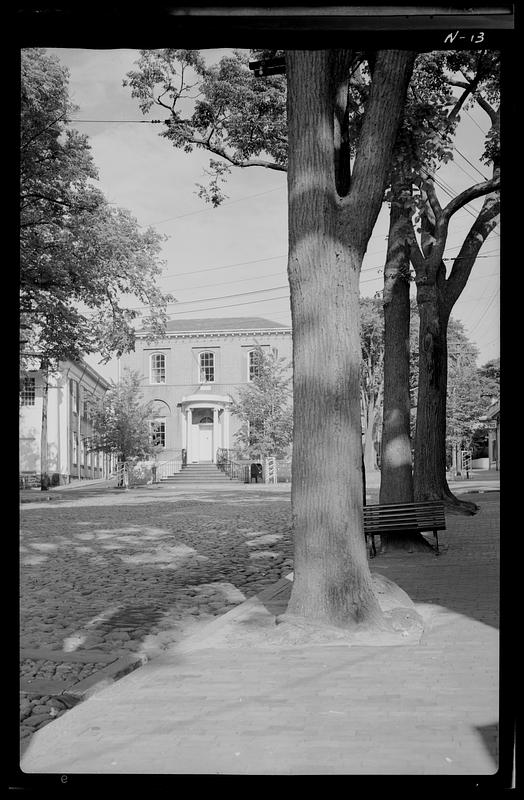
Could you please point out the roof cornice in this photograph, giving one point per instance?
(217, 333)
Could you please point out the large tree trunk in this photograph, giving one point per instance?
(430, 433)
(396, 485)
(328, 233)
(396, 481)
(370, 459)
(436, 297)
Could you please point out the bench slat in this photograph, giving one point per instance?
(404, 518)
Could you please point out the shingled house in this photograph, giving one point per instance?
(191, 376)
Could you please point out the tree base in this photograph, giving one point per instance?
(397, 623)
(453, 505)
(410, 543)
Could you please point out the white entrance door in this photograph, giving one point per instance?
(205, 450)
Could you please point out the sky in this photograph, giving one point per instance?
(231, 261)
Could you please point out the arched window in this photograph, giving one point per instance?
(206, 363)
(158, 368)
(253, 365)
(206, 420)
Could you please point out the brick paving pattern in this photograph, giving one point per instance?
(106, 574)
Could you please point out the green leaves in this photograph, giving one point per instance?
(222, 108)
(78, 254)
(264, 408)
(121, 421)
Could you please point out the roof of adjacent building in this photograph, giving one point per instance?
(493, 410)
(223, 324)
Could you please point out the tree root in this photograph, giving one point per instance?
(413, 543)
(453, 505)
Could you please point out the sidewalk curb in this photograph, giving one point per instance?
(105, 677)
(73, 693)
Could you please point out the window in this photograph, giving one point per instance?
(206, 420)
(158, 368)
(85, 412)
(27, 394)
(74, 391)
(75, 447)
(253, 364)
(158, 432)
(207, 367)
(82, 451)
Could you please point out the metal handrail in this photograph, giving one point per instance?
(235, 470)
(166, 468)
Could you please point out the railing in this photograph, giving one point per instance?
(235, 470)
(163, 469)
(270, 472)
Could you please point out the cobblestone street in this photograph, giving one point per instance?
(113, 578)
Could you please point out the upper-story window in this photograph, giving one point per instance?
(253, 365)
(74, 391)
(206, 362)
(27, 394)
(158, 368)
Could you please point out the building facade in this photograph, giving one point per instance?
(493, 421)
(191, 376)
(73, 390)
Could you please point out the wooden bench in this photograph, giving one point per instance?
(400, 518)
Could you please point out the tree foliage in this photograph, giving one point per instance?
(79, 255)
(121, 421)
(264, 408)
(221, 108)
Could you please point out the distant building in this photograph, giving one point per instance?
(73, 391)
(192, 375)
(493, 421)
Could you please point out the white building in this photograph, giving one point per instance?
(192, 374)
(73, 390)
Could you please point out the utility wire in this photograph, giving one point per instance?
(484, 312)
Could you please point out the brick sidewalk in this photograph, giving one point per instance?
(430, 708)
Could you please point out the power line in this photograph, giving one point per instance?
(476, 123)
(471, 164)
(230, 203)
(224, 266)
(484, 312)
(137, 121)
(228, 283)
(233, 305)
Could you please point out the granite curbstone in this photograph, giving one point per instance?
(105, 677)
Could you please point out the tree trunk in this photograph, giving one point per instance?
(328, 234)
(436, 297)
(370, 460)
(430, 432)
(44, 468)
(396, 485)
(396, 481)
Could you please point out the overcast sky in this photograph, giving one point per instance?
(215, 255)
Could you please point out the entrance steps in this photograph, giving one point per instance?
(197, 473)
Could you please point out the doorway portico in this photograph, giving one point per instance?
(205, 426)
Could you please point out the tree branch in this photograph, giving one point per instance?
(486, 221)
(478, 190)
(492, 113)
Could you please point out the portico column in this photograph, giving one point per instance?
(225, 428)
(189, 438)
(215, 434)
(183, 430)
